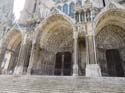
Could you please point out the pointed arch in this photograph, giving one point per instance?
(12, 38)
(54, 34)
(112, 14)
(12, 43)
(110, 35)
(54, 18)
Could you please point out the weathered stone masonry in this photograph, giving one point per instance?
(92, 43)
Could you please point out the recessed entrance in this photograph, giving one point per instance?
(114, 63)
(63, 65)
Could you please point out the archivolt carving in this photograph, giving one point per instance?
(54, 35)
(52, 21)
(111, 37)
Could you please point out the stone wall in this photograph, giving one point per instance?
(6, 10)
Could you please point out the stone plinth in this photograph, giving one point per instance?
(93, 70)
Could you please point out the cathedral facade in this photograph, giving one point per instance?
(64, 38)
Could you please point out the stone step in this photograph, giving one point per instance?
(60, 84)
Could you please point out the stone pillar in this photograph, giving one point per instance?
(85, 16)
(92, 68)
(90, 49)
(19, 69)
(75, 55)
(2, 53)
(91, 15)
(32, 59)
(79, 17)
(5, 64)
(34, 52)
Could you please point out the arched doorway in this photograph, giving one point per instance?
(110, 43)
(111, 50)
(63, 64)
(114, 63)
(13, 43)
(55, 43)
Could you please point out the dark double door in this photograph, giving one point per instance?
(114, 63)
(63, 64)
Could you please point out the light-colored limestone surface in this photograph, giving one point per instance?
(91, 31)
(52, 84)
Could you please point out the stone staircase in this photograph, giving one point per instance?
(67, 84)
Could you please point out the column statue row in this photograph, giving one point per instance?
(2, 53)
(92, 68)
(75, 53)
(23, 57)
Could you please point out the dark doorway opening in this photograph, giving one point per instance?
(114, 63)
(63, 65)
(82, 57)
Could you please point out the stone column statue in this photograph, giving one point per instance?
(23, 55)
(32, 59)
(75, 55)
(92, 68)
